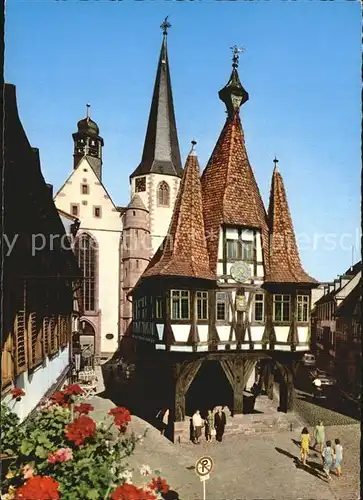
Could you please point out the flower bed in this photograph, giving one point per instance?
(64, 454)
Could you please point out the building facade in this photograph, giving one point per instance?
(226, 288)
(337, 333)
(115, 244)
(40, 274)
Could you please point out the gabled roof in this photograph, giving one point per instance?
(67, 215)
(184, 250)
(230, 192)
(161, 153)
(285, 265)
(87, 158)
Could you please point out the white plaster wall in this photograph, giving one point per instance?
(256, 333)
(223, 332)
(203, 333)
(107, 232)
(160, 330)
(282, 333)
(302, 332)
(181, 332)
(159, 216)
(38, 383)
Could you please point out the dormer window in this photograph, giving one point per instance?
(163, 194)
(239, 250)
(84, 189)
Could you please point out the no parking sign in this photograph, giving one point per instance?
(203, 468)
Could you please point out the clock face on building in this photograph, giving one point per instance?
(240, 272)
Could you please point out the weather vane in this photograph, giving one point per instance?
(236, 52)
(165, 26)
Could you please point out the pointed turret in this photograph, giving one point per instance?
(285, 265)
(230, 192)
(184, 251)
(161, 153)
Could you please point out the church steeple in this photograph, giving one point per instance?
(161, 154)
(88, 143)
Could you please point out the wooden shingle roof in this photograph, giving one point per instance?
(230, 192)
(285, 265)
(184, 250)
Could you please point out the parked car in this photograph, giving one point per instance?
(309, 359)
(325, 378)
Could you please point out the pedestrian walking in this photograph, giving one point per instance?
(210, 430)
(197, 426)
(305, 443)
(220, 422)
(328, 456)
(338, 457)
(319, 436)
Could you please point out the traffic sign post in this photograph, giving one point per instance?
(203, 468)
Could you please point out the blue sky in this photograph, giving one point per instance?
(301, 67)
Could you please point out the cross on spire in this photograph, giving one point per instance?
(165, 26)
(88, 107)
(236, 52)
(275, 162)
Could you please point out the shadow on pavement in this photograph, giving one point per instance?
(311, 467)
(298, 443)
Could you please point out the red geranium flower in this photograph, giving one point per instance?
(121, 417)
(59, 398)
(159, 485)
(73, 390)
(84, 408)
(16, 392)
(38, 488)
(81, 429)
(131, 492)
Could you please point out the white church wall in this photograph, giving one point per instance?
(106, 229)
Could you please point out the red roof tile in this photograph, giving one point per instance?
(285, 265)
(184, 251)
(229, 189)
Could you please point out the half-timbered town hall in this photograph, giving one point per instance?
(226, 289)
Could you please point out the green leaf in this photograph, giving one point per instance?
(26, 448)
(93, 494)
(41, 452)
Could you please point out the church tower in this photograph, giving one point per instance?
(87, 142)
(135, 252)
(157, 178)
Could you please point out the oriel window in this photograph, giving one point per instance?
(282, 308)
(302, 308)
(158, 308)
(221, 306)
(202, 305)
(259, 307)
(180, 304)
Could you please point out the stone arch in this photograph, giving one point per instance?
(163, 194)
(87, 255)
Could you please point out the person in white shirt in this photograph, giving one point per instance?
(197, 422)
(317, 386)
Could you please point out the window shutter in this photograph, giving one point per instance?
(7, 363)
(20, 337)
(52, 335)
(32, 339)
(46, 344)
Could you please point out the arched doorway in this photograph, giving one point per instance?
(209, 388)
(87, 343)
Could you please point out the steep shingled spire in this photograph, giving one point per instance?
(161, 153)
(230, 192)
(285, 265)
(184, 251)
